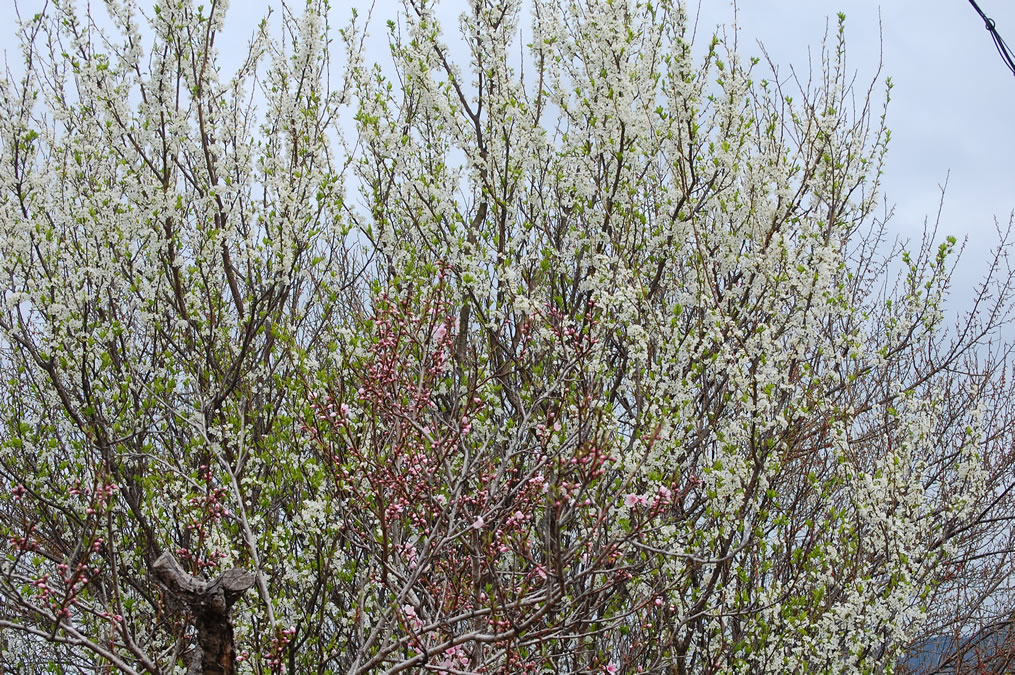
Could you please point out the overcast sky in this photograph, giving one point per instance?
(952, 108)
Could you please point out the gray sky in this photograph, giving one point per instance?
(952, 108)
(951, 111)
(952, 105)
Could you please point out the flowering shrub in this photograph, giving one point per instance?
(605, 369)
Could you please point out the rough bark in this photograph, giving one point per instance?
(209, 603)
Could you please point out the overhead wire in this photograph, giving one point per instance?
(1002, 47)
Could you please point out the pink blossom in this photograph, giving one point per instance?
(631, 501)
(478, 523)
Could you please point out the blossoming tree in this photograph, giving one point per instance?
(597, 362)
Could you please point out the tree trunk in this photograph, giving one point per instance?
(209, 603)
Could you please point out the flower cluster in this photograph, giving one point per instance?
(597, 371)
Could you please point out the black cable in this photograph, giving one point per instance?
(1002, 48)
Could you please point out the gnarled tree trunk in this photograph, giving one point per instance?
(209, 603)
